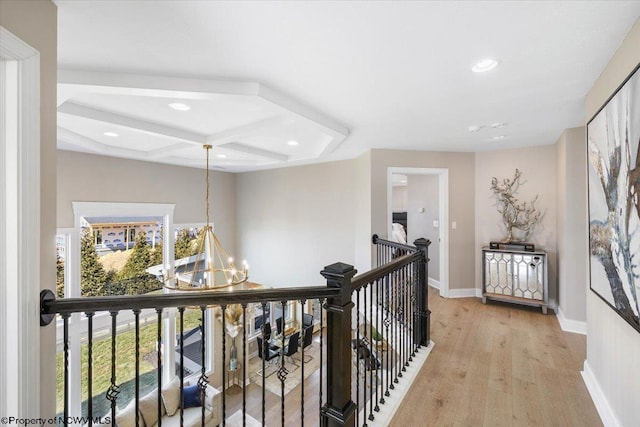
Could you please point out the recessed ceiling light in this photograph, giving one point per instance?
(111, 134)
(292, 143)
(179, 106)
(475, 128)
(222, 156)
(498, 137)
(484, 65)
(404, 181)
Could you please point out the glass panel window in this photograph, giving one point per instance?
(257, 318)
(111, 265)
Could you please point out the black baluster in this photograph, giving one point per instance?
(223, 308)
(90, 367)
(357, 350)
(202, 382)
(136, 314)
(379, 341)
(394, 329)
(371, 355)
(265, 352)
(282, 372)
(407, 336)
(414, 319)
(159, 357)
(322, 307)
(412, 302)
(364, 361)
(114, 390)
(302, 334)
(244, 363)
(387, 322)
(181, 311)
(65, 332)
(400, 324)
(401, 321)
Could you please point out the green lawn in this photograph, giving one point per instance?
(125, 365)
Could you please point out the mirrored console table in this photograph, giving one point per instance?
(515, 276)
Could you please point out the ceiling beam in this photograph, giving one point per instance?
(242, 148)
(247, 130)
(78, 110)
(82, 141)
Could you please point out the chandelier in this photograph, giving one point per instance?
(212, 267)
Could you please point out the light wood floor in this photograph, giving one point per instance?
(492, 365)
(498, 365)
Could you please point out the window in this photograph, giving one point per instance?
(273, 314)
(256, 321)
(104, 271)
(97, 237)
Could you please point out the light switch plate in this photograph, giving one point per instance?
(436, 223)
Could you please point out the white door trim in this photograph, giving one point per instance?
(443, 190)
(19, 227)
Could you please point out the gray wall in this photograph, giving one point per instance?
(35, 22)
(538, 167)
(461, 168)
(422, 193)
(571, 224)
(613, 346)
(362, 212)
(92, 178)
(295, 221)
(399, 198)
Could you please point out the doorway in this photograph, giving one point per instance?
(420, 198)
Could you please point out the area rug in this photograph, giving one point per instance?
(294, 375)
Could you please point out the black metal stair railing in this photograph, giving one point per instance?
(391, 324)
(392, 321)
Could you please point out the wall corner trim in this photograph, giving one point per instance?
(570, 325)
(607, 416)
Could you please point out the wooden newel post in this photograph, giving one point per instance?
(423, 313)
(339, 409)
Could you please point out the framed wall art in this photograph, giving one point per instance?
(613, 152)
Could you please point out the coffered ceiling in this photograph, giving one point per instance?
(272, 84)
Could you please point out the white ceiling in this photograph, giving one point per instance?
(338, 77)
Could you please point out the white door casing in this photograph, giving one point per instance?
(19, 227)
(443, 191)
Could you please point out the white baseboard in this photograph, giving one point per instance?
(570, 325)
(465, 293)
(607, 416)
(434, 283)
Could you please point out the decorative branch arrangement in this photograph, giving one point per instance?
(515, 215)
